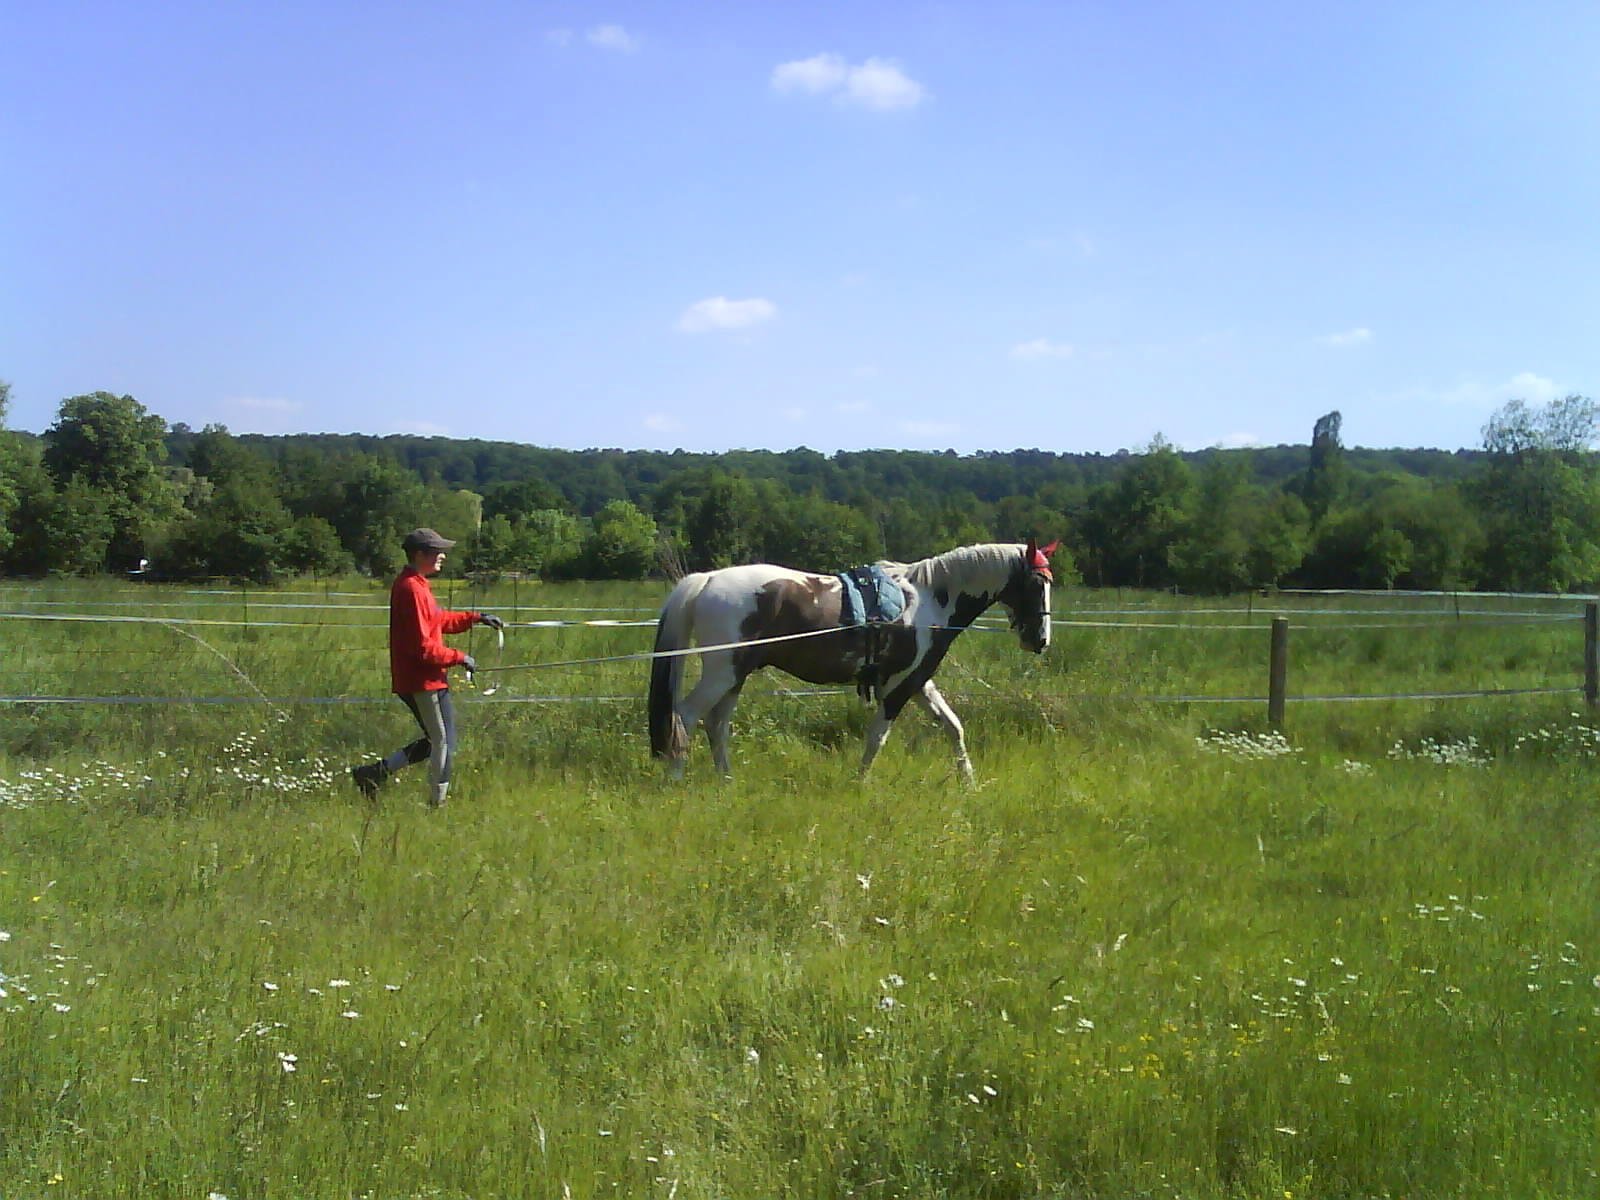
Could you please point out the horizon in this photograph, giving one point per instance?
(1122, 451)
(172, 427)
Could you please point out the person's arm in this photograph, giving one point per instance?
(459, 622)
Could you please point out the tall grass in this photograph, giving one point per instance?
(1160, 951)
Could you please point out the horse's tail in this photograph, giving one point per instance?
(668, 737)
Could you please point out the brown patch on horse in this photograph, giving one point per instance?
(787, 606)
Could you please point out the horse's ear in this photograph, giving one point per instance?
(1038, 557)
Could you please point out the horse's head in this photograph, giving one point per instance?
(1027, 596)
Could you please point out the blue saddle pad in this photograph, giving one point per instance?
(870, 596)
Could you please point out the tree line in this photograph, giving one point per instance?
(109, 486)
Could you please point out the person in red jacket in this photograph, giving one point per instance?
(418, 660)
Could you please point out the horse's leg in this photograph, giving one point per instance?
(715, 684)
(939, 709)
(877, 734)
(719, 723)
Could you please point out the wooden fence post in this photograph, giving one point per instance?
(1591, 653)
(1278, 671)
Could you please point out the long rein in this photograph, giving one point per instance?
(645, 655)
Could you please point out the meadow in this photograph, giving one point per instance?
(1162, 950)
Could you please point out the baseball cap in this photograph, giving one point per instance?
(425, 539)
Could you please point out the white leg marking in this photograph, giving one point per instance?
(939, 709)
(714, 686)
(719, 723)
(877, 732)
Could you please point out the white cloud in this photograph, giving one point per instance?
(1349, 337)
(1473, 395)
(719, 312)
(795, 414)
(661, 423)
(602, 37)
(1535, 389)
(877, 83)
(1526, 386)
(1041, 348)
(613, 37)
(852, 407)
(820, 74)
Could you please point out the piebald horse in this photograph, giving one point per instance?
(760, 615)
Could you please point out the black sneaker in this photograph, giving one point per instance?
(368, 778)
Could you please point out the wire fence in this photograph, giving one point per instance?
(244, 609)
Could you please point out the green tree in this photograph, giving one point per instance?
(1132, 523)
(1017, 518)
(1327, 474)
(1539, 497)
(721, 529)
(810, 533)
(454, 512)
(110, 445)
(240, 526)
(1442, 530)
(515, 499)
(189, 490)
(10, 468)
(242, 532)
(64, 529)
(492, 549)
(215, 454)
(905, 530)
(1563, 428)
(960, 518)
(1357, 548)
(621, 543)
(1211, 554)
(550, 542)
(1237, 535)
(370, 502)
(1279, 538)
(311, 547)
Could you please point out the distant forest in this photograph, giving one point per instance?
(590, 479)
(109, 485)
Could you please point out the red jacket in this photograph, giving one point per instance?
(417, 654)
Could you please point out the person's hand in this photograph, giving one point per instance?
(492, 621)
(470, 663)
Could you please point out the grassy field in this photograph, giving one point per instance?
(1160, 951)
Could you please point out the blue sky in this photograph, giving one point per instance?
(1071, 226)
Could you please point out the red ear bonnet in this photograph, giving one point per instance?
(1041, 558)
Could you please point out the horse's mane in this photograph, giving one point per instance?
(988, 562)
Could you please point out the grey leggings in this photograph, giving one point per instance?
(436, 714)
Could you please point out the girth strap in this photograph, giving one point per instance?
(872, 600)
